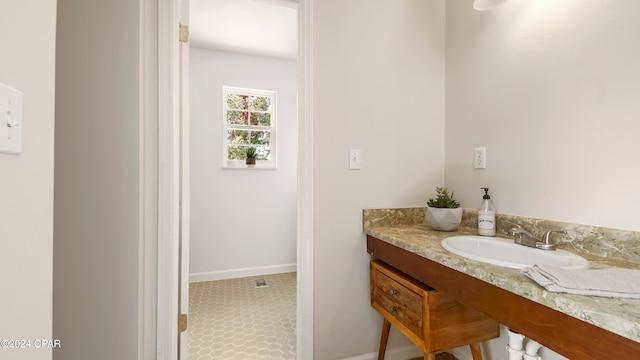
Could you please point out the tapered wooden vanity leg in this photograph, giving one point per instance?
(475, 351)
(431, 356)
(386, 327)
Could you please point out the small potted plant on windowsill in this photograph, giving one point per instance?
(443, 212)
(250, 153)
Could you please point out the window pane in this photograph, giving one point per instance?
(264, 152)
(236, 153)
(237, 117)
(261, 137)
(235, 101)
(260, 119)
(260, 103)
(249, 121)
(237, 137)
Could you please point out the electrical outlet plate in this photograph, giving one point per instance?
(480, 158)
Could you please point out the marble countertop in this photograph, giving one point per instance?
(619, 316)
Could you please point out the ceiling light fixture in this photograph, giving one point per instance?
(482, 5)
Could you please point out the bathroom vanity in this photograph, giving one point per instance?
(578, 327)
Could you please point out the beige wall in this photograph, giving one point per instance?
(552, 89)
(27, 63)
(96, 238)
(378, 87)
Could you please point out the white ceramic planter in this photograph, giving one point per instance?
(443, 219)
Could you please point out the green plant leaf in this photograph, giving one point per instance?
(443, 199)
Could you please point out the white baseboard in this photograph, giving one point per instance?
(239, 273)
(392, 354)
(411, 352)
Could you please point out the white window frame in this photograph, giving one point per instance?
(240, 164)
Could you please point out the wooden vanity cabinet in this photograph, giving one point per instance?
(431, 319)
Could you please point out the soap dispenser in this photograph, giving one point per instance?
(486, 216)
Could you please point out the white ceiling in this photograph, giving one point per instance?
(254, 27)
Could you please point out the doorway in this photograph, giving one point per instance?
(163, 325)
(243, 221)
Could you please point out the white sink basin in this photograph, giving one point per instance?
(504, 252)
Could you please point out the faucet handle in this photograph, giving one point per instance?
(547, 241)
(512, 229)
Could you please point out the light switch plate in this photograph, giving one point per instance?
(10, 120)
(355, 159)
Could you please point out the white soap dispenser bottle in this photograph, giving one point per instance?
(487, 216)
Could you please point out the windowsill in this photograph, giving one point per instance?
(243, 166)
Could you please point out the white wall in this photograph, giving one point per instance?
(240, 219)
(551, 88)
(96, 237)
(378, 87)
(27, 63)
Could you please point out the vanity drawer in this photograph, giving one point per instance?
(399, 302)
(397, 293)
(399, 298)
(431, 319)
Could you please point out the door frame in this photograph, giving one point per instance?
(167, 161)
(148, 170)
(168, 181)
(305, 222)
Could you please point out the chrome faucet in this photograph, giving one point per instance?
(523, 237)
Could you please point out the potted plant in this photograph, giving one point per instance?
(443, 212)
(250, 153)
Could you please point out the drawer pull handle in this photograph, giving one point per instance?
(393, 309)
(392, 292)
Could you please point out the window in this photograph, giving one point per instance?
(249, 122)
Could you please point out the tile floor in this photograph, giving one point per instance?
(232, 319)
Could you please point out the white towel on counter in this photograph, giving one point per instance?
(609, 282)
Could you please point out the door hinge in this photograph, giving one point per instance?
(182, 323)
(184, 33)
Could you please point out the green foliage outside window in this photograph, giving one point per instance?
(249, 125)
